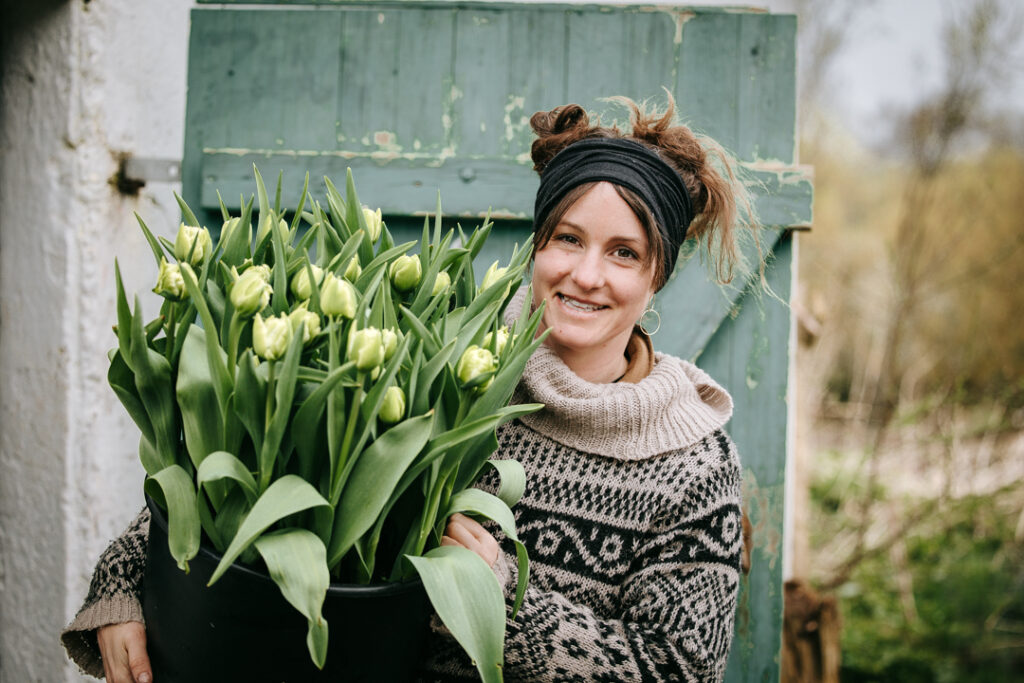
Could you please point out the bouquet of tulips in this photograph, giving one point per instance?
(319, 399)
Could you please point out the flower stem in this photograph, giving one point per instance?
(350, 428)
(234, 332)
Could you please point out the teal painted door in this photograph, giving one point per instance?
(418, 97)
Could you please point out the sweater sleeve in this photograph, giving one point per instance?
(115, 595)
(678, 603)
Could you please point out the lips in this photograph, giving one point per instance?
(577, 305)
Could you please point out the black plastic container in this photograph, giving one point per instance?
(242, 629)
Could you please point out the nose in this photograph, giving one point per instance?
(588, 272)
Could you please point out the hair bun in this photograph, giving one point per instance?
(556, 129)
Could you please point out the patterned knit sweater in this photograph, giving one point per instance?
(631, 517)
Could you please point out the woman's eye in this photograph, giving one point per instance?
(622, 252)
(571, 239)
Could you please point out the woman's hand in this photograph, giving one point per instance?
(468, 533)
(123, 647)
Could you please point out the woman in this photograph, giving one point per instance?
(632, 512)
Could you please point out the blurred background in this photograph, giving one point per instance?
(906, 550)
(909, 531)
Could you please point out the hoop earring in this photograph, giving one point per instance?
(648, 312)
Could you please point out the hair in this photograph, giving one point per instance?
(720, 202)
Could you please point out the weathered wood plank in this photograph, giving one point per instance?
(597, 47)
(395, 81)
(749, 356)
(737, 82)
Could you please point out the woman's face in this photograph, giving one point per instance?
(593, 276)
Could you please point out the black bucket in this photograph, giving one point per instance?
(242, 628)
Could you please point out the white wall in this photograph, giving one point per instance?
(82, 83)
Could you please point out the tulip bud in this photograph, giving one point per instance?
(373, 223)
(441, 283)
(406, 272)
(493, 274)
(393, 408)
(263, 270)
(305, 320)
(476, 368)
(192, 244)
(270, 337)
(390, 341)
(366, 348)
(169, 282)
(353, 270)
(301, 287)
(250, 293)
(502, 340)
(337, 297)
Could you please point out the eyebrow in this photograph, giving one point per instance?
(614, 238)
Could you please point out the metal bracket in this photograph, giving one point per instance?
(152, 170)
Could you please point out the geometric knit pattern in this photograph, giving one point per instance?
(634, 565)
(114, 595)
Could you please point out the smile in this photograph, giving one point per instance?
(578, 305)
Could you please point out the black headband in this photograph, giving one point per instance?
(631, 165)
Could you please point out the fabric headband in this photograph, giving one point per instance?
(631, 165)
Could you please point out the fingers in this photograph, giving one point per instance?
(123, 649)
(138, 658)
(468, 533)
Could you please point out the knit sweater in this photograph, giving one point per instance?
(631, 517)
(632, 520)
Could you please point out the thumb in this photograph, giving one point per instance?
(138, 658)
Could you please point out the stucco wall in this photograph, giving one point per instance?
(83, 82)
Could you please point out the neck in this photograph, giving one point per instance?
(600, 365)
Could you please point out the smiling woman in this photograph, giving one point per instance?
(595, 275)
(631, 512)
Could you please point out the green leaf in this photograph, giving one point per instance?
(153, 382)
(154, 245)
(238, 248)
(305, 426)
(223, 465)
(124, 318)
(286, 496)
(201, 417)
(186, 213)
(172, 487)
(466, 596)
(476, 501)
(284, 393)
(513, 480)
(372, 480)
(250, 398)
(214, 353)
(122, 381)
(297, 562)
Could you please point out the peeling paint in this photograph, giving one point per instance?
(678, 17)
(786, 173)
(515, 103)
(386, 141)
(764, 507)
(432, 158)
(381, 18)
(483, 127)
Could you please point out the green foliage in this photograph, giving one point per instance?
(949, 606)
(258, 403)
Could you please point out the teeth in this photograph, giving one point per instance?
(579, 306)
